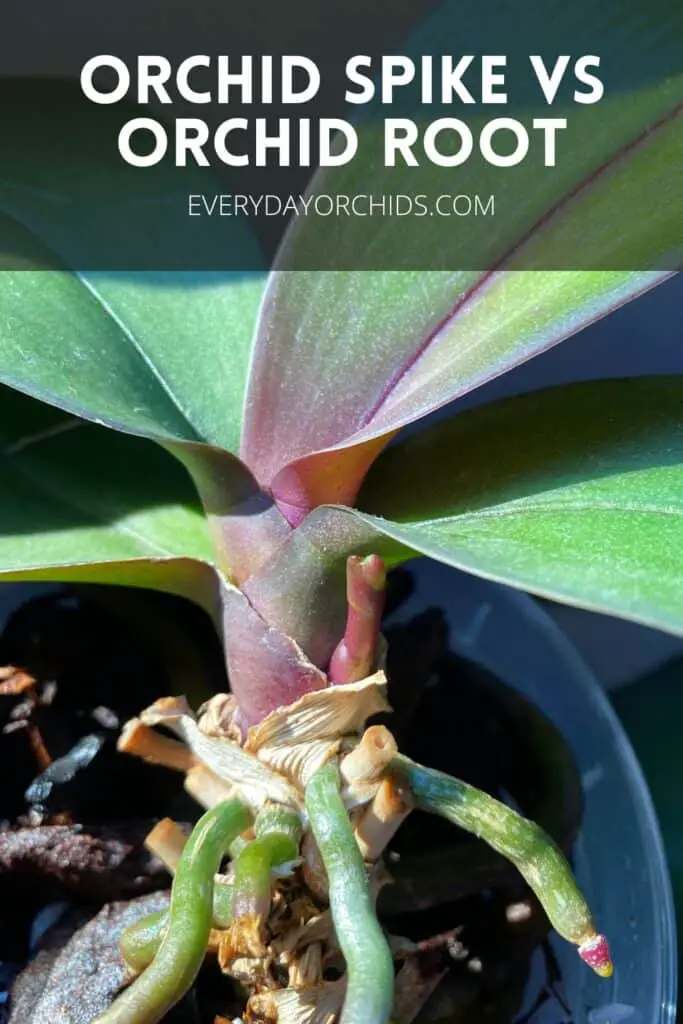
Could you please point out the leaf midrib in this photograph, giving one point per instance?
(125, 330)
(465, 301)
(140, 352)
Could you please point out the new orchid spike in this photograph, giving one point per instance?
(356, 654)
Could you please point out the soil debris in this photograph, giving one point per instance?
(74, 984)
(93, 863)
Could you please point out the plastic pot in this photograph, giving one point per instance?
(619, 856)
(651, 710)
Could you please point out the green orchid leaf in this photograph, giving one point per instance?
(511, 318)
(64, 179)
(136, 353)
(572, 493)
(81, 503)
(160, 353)
(345, 357)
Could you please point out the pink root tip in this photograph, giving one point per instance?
(595, 952)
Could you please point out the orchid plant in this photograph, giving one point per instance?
(280, 402)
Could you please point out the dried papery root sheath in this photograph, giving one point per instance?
(206, 788)
(390, 807)
(140, 942)
(151, 746)
(167, 841)
(537, 858)
(325, 714)
(215, 717)
(317, 929)
(243, 939)
(369, 965)
(298, 740)
(356, 655)
(369, 758)
(182, 950)
(307, 970)
(299, 762)
(254, 782)
(318, 1005)
(215, 939)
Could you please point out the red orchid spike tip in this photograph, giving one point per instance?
(355, 656)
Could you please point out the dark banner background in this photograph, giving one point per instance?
(614, 200)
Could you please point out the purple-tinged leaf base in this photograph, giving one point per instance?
(246, 525)
(267, 668)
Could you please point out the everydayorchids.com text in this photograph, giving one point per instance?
(229, 204)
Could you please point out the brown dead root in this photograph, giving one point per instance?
(205, 787)
(149, 745)
(167, 842)
(15, 681)
(370, 757)
(390, 806)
